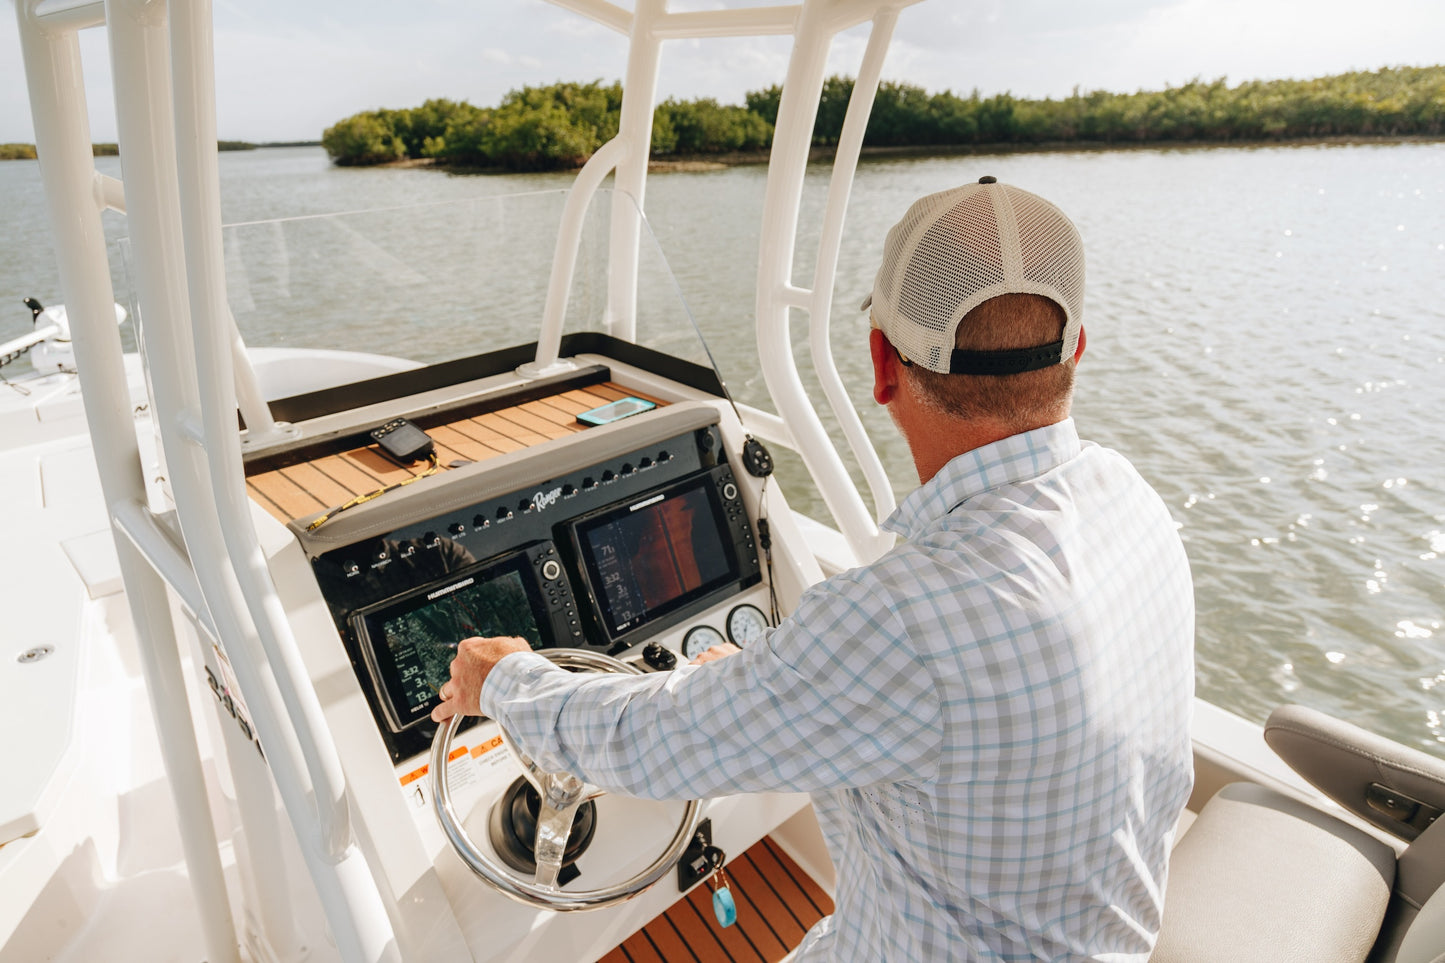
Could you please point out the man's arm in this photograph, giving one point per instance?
(834, 697)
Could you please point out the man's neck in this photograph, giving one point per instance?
(936, 439)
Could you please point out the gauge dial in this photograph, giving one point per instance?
(699, 639)
(746, 625)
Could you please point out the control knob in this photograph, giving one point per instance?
(658, 657)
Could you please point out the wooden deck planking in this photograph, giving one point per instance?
(488, 436)
(669, 943)
(317, 484)
(777, 903)
(814, 893)
(293, 500)
(756, 909)
(534, 422)
(734, 940)
(331, 480)
(462, 445)
(508, 428)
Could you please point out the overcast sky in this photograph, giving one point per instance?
(288, 69)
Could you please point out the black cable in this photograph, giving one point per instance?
(765, 542)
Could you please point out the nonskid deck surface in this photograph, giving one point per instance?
(777, 904)
(303, 489)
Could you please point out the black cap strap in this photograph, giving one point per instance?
(1013, 361)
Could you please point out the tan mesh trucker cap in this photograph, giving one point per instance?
(958, 248)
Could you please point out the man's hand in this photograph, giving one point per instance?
(716, 652)
(462, 694)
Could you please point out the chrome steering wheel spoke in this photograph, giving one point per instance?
(562, 795)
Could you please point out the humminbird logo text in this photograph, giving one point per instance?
(449, 589)
(643, 504)
(546, 500)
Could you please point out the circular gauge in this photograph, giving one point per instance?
(699, 639)
(746, 625)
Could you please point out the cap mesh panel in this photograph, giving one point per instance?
(945, 257)
(943, 273)
(1050, 249)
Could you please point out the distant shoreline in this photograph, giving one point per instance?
(697, 163)
(27, 151)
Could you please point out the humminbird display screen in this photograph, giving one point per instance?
(653, 556)
(409, 641)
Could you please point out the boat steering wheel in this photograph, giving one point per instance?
(562, 793)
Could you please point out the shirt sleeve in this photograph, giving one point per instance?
(834, 697)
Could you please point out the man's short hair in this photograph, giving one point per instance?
(1022, 401)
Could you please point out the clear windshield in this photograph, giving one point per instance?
(437, 281)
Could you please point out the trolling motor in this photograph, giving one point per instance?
(52, 339)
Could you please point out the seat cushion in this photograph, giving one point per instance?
(1261, 876)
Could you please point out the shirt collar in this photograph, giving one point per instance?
(1008, 460)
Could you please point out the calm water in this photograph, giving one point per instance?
(1266, 343)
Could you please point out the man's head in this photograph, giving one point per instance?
(980, 294)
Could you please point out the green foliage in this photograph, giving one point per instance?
(765, 102)
(363, 139)
(707, 127)
(540, 128)
(17, 151)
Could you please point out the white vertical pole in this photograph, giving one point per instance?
(639, 90)
(845, 164)
(564, 258)
(781, 201)
(62, 136)
(291, 728)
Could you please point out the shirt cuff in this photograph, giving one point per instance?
(510, 676)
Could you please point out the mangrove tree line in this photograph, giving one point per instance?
(539, 128)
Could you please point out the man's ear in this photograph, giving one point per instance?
(1079, 351)
(886, 367)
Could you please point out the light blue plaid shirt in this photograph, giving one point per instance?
(993, 718)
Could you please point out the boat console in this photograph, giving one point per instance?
(625, 532)
(636, 538)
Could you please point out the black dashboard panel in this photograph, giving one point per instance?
(388, 591)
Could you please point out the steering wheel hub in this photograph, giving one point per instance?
(512, 830)
(560, 814)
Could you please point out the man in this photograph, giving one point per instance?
(993, 717)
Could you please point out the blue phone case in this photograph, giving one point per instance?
(615, 411)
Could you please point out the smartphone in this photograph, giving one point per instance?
(615, 411)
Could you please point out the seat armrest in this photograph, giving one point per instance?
(1399, 789)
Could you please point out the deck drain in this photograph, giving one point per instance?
(35, 654)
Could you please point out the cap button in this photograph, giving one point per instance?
(988, 179)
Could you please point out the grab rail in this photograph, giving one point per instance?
(51, 50)
(797, 111)
(220, 515)
(845, 164)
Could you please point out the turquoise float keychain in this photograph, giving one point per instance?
(723, 906)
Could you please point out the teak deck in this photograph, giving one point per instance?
(777, 903)
(304, 489)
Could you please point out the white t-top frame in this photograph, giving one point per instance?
(162, 60)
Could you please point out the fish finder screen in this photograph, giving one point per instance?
(410, 641)
(655, 555)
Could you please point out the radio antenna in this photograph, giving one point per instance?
(756, 458)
